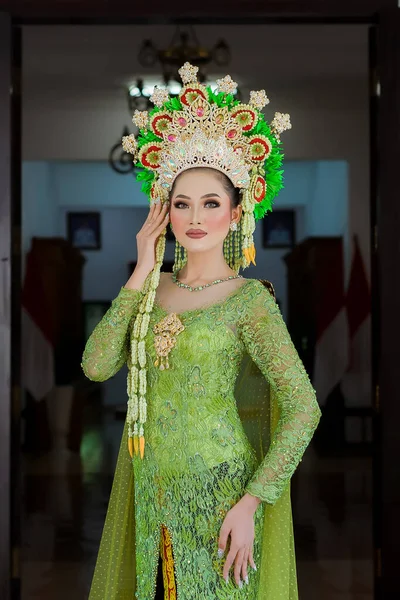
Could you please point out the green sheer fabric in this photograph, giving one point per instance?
(234, 413)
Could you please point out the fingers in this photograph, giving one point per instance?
(222, 541)
(156, 219)
(244, 566)
(238, 566)
(148, 220)
(160, 215)
(157, 209)
(229, 562)
(240, 558)
(162, 225)
(150, 213)
(251, 560)
(240, 554)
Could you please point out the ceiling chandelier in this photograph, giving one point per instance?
(184, 47)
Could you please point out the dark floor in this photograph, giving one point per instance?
(65, 500)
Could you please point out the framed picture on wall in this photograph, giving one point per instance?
(83, 230)
(279, 229)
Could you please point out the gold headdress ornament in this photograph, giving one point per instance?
(201, 128)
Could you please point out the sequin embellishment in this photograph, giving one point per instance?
(166, 331)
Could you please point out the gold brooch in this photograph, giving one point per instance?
(166, 330)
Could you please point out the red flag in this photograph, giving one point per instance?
(356, 384)
(331, 351)
(358, 296)
(37, 333)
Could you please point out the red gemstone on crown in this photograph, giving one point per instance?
(200, 112)
(182, 122)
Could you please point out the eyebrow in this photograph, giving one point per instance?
(205, 196)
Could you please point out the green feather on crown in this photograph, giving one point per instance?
(202, 127)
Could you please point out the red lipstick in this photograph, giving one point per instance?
(195, 233)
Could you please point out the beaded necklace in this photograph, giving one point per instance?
(205, 285)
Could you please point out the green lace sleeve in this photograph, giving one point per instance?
(106, 349)
(269, 344)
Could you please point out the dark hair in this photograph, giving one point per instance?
(232, 191)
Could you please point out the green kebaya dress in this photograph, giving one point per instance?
(234, 413)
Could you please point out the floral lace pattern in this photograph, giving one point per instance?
(267, 340)
(106, 350)
(192, 506)
(198, 461)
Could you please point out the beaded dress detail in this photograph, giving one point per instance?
(234, 413)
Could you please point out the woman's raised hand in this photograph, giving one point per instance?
(147, 237)
(146, 240)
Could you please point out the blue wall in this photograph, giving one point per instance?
(316, 190)
(94, 184)
(39, 210)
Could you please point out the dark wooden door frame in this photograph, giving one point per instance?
(374, 89)
(123, 11)
(386, 322)
(10, 313)
(385, 224)
(5, 302)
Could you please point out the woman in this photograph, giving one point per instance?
(220, 407)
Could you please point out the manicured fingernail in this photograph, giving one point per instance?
(240, 583)
(247, 579)
(220, 553)
(226, 579)
(254, 566)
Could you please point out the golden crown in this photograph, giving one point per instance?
(206, 128)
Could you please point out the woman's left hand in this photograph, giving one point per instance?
(239, 524)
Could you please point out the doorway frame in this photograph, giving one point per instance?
(384, 18)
